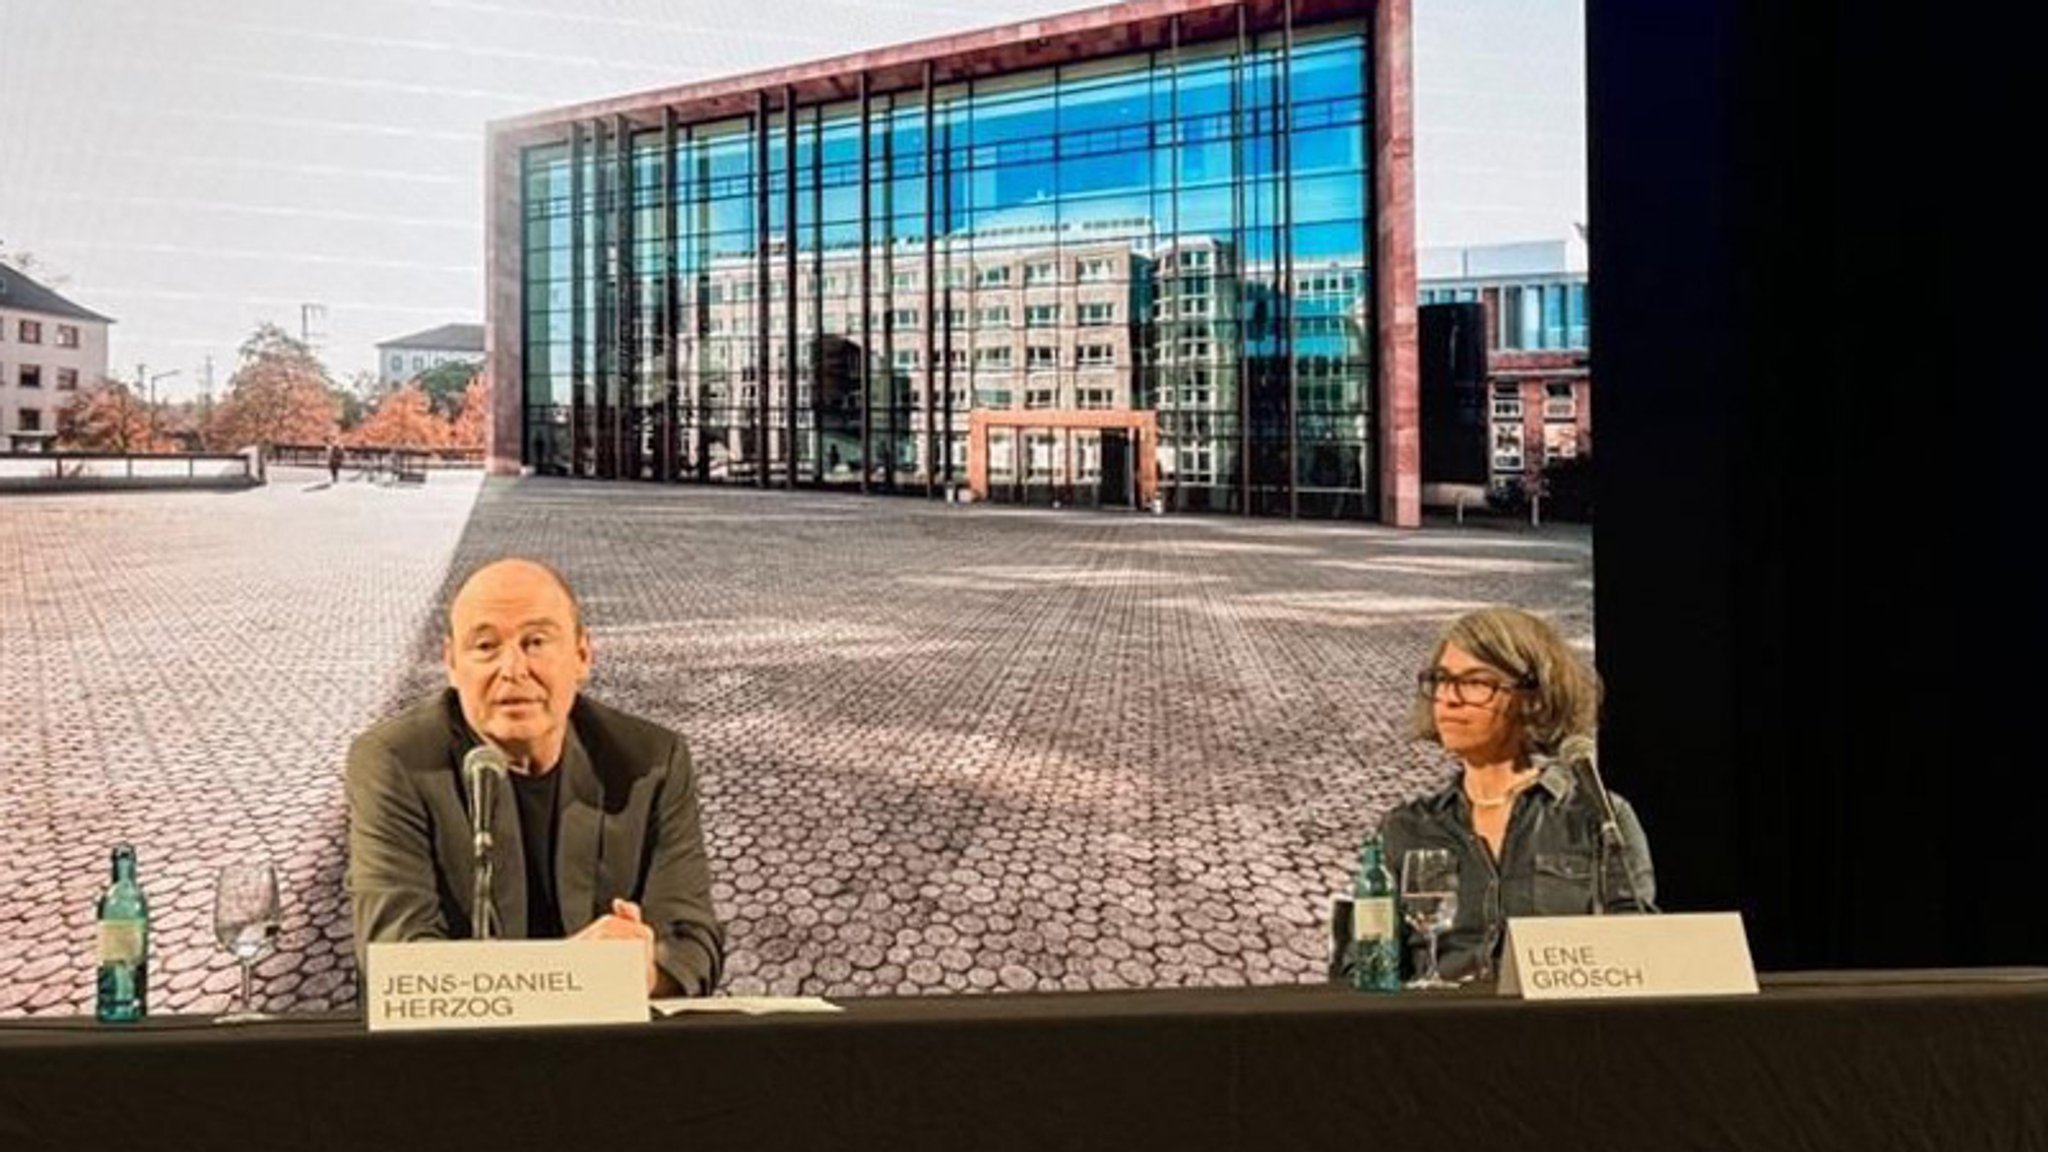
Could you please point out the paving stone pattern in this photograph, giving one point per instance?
(184, 670)
(943, 748)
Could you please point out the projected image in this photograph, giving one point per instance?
(1031, 487)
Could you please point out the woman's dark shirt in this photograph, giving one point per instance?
(1548, 865)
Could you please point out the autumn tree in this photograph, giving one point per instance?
(403, 419)
(475, 415)
(447, 385)
(280, 394)
(183, 424)
(356, 399)
(109, 417)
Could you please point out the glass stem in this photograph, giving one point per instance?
(1433, 977)
(247, 1006)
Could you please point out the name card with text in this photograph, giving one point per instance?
(504, 984)
(1613, 957)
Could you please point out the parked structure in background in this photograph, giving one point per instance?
(50, 348)
(406, 357)
(1531, 351)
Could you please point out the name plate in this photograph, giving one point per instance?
(504, 984)
(1617, 957)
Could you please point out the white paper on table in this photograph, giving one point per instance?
(747, 1005)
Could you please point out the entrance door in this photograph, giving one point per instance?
(1116, 488)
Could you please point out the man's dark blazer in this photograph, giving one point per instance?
(626, 820)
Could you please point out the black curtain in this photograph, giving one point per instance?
(1816, 287)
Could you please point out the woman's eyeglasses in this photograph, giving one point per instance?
(1473, 691)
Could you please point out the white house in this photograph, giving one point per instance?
(406, 357)
(49, 349)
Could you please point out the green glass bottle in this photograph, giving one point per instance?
(124, 944)
(1375, 932)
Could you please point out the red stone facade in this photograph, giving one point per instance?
(1399, 408)
(1553, 425)
(1141, 425)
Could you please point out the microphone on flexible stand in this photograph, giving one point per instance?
(483, 776)
(1582, 756)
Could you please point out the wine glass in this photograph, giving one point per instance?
(1429, 902)
(245, 923)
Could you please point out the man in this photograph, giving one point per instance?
(600, 837)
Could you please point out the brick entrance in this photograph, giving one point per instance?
(1106, 458)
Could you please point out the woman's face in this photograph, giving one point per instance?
(1476, 707)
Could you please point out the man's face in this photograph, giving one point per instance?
(516, 656)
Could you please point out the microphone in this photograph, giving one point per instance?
(483, 776)
(1582, 755)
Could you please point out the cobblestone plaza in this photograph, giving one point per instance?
(943, 748)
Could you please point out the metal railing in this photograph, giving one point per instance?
(402, 460)
(85, 471)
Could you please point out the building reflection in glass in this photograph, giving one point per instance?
(1144, 276)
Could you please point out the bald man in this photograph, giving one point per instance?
(600, 836)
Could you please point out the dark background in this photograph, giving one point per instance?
(1814, 277)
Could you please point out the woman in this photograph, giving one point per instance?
(1501, 692)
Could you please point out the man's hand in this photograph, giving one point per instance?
(624, 923)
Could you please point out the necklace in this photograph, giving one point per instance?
(1513, 789)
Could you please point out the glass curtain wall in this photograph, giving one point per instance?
(784, 299)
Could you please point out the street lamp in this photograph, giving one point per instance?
(147, 383)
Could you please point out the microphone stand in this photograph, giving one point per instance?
(483, 779)
(1611, 841)
(1600, 850)
(481, 927)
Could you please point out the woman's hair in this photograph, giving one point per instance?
(1560, 693)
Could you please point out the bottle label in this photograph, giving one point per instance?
(120, 941)
(1372, 918)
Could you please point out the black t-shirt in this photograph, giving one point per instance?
(536, 795)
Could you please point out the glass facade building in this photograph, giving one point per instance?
(1531, 315)
(1532, 299)
(1125, 276)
